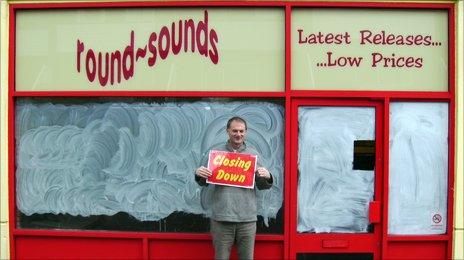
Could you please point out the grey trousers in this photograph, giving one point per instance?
(226, 233)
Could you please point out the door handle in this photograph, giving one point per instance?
(374, 212)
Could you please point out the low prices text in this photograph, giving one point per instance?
(375, 59)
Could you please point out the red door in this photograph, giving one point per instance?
(336, 179)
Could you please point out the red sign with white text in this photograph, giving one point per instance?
(232, 169)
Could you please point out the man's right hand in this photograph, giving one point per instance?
(203, 172)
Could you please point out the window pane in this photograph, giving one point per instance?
(418, 179)
(129, 165)
(333, 195)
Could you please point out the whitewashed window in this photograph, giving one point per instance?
(122, 165)
(333, 195)
(418, 177)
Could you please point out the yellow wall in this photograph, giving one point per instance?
(459, 192)
(459, 150)
(4, 230)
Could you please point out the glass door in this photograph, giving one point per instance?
(336, 179)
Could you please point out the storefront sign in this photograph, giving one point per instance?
(232, 169)
(150, 49)
(370, 49)
(186, 36)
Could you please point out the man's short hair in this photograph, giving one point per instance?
(236, 118)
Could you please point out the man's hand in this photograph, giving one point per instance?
(203, 172)
(263, 172)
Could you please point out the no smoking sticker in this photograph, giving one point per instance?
(436, 220)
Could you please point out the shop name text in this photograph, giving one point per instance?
(113, 67)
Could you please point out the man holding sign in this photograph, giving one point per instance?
(232, 169)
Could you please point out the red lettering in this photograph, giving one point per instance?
(410, 61)
(383, 38)
(189, 25)
(115, 57)
(329, 38)
(330, 61)
(376, 58)
(90, 60)
(164, 37)
(410, 40)
(300, 32)
(427, 40)
(176, 45)
(187, 34)
(103, 79)
(339, 38)
(343, 61)
(377, 39)
(202, 30)
(128, 56)
(418, 40)
(319, 37)
(80, 49)
(324, 38)
(390, 39)
(213, 55)
(152, 49)
(400, 62)
(399, 40)
(365, 35)
(394, 62)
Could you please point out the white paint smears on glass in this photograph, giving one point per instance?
(418, 168)
(332, 197)
(95, 159)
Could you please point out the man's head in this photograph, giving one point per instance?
(236, 129)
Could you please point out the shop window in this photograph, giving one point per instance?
(333, 195)
(120, 164)
(418, 177)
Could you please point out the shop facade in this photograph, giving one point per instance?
(353, 106)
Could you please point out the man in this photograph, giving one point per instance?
(234, 209)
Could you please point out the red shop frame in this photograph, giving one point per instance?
(77, 244)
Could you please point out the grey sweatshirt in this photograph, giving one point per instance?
(234, 204)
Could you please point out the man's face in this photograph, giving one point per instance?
(237, 133)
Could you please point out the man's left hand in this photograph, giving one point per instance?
(263, 172)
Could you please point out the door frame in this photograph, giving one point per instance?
(325, 243)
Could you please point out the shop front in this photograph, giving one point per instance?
(112, 106)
